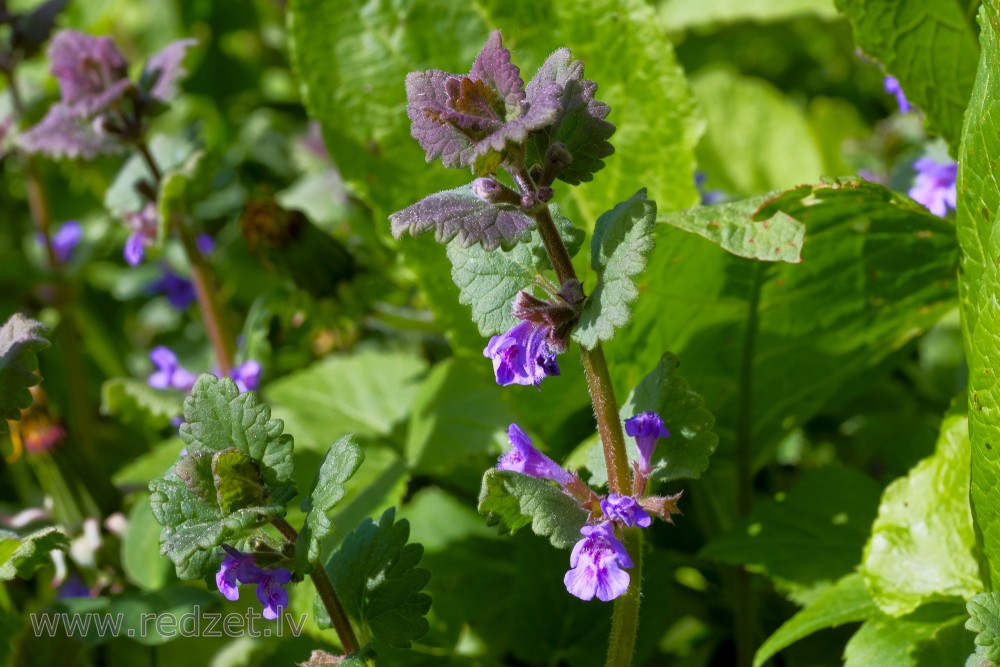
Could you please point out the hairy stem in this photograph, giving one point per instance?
(744, 629)
(324, 588)
(595, 365)
(625, 616)
(201, 275)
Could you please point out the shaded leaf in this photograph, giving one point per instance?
(884, 640)
(132, 400)
(21, 339)
(30, 552)
(984, 620)
(376, 575)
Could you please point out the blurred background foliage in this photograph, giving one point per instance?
(859, 352)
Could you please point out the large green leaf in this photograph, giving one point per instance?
(813, 533)
(877, 271)
(978, 202)
(929, 46)
(685, 15)
(732, 226)
(767, 146)
(20, 340)
(984, 620)
(132, 400)
(847, 601)
(922, 543)
(903, 642)
(366, 393)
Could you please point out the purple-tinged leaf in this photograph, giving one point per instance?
(493, 67)
(426, 99)
(61, 133)
(167, 66)
(461, 214)
(580, 123)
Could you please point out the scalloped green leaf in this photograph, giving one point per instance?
(342, 460)
(21, 338)
(488, 281)
(376, 574)
(622, 238)
(511, 501)
(236, 431)
(132, 400)
(984, 620)
(26, 553)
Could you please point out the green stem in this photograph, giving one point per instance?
(744, 612)
(201, 276)
(625, 616)
(325, 591)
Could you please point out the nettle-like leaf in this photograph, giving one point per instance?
(21, 555)
(984, 620)
(622, 238)
(235, 477)
(685, 454)
(977, 226)
(929, 46)
(847, 601)
(376, 575)
(20, 340)
(342, 460)
(132, 400)
(736, 228)
(922, 544)
(511, 501)
(459, 214)
(489, 281)
(580, 125)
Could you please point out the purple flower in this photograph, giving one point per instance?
(522, 355)
(240, 568)
(935, 185)
(891, 85)
(708, 197)
(271, 591)
(646, 428)
(205, 244)
(468, 121)
(73, 587)
(625, 510)
(170, 375)
(236, 568)
(246, 375)
(64, 241)
(525, 459)
(179, 291)
(595, 563)
(144, 225)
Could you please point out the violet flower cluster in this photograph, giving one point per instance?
(935, 185)
(64, 240)
(598, 560)
(169, 374)
(241, 568)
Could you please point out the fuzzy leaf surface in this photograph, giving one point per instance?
(22, 555)
(511, 501)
